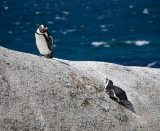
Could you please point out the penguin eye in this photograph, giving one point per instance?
(41, 30)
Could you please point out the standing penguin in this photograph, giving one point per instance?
(44, 41)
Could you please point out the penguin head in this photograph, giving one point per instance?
(42, 29)
(109, 83)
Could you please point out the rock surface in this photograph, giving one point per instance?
(40, 94)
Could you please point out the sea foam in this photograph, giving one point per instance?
(100, 43)
(65, 12)
(138, 43)
(145, 11)
(50, 22)
(153, 64)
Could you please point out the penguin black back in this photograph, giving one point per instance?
(115, 92)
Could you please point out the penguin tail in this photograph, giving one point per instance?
(128, 105)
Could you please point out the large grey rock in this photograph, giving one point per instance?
(53, 94)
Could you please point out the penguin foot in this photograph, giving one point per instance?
(49, 56)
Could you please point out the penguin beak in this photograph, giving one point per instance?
(43, 28)
(46, 28)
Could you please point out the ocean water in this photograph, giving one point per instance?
(124, 32)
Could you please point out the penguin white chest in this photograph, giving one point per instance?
(42, 44)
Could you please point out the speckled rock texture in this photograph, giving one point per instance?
(40, 94)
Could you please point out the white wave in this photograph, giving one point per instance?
(60, 18)
(129, 42)
(113, 39)
(82, 26)
(6, 8)
(145, 11)
(37, 12)
(28, 23)
(50, 22)
(104, 30)
(17, 23)
(57, 18)
(152, 64)
(56, 40)
(87, 7)
(65, 12)
(100, 17)
(100, 43)
(138, 43)
(63, 32)
(24, 31)
(107, 46)
(5, 2)
(47, 4)
(35, 5)
(53, 31)
(71, 30)
(10, 32)
(103, 26)
(131, 6)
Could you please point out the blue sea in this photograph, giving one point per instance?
(125, 32)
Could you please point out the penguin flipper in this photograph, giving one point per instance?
(50, 42)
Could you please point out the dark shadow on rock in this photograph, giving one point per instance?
(63, 62)
(117, 94)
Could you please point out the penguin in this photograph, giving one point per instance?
(44, 41)
(118, 95)
(115, 92)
